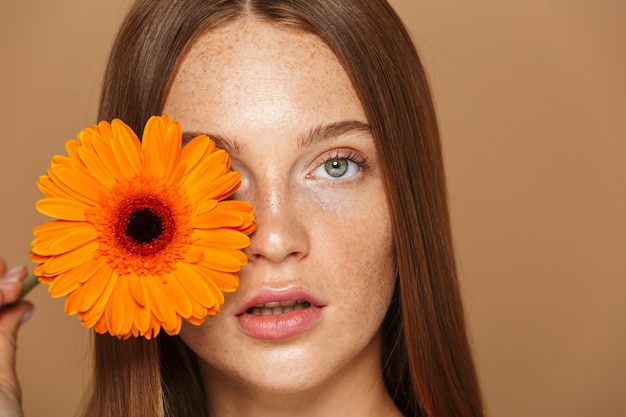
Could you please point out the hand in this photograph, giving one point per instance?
(11, 317)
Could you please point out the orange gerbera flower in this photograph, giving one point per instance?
(144, 236)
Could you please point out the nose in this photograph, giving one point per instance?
(281, 233)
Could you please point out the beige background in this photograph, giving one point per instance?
(532, 102)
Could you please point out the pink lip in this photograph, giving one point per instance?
(281, 326)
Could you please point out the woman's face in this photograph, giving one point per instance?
(321, 267)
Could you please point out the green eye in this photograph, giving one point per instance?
(341, 165)
(336, 167)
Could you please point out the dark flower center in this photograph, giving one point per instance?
(145, 225)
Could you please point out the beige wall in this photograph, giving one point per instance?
(532, 102)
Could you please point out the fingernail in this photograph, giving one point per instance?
(26, 316)
(9, 279)
(13, 275)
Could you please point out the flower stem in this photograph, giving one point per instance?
(28, 284)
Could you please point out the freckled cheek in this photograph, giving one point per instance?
(355, 233)
(362, 282)
(211, 340)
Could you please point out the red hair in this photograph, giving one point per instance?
(427, 361)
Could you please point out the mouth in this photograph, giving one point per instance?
(280, 314)
(275, 308)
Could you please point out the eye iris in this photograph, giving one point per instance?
(336, 167)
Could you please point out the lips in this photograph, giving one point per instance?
(280, 314)
(278, 307)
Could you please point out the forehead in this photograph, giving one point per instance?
(249, 64)
(249, 44)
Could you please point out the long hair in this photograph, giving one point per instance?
(427, 362)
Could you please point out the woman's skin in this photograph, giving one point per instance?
(10, 319)
(282, 105)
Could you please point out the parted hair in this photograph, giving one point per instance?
(426, 357)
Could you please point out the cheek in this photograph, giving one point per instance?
(371, 275)
(210, 340)
(358, 245)
(196, 337)
(363, 281)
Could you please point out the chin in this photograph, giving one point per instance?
(292, 369)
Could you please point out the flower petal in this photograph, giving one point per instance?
(229, 213)
(197, 149)
(161, 146)
(101, 284)
(104, 150)
(221, 238)
(83, 187)
(62, 208)
(223, 187)
(94, 163)
(59, 264)
(51, 189)
(158, 303)
(178, 296)
(73, 236)
(197, 286)
(127, 149)
(120, 311)
(71, 280)
(137, 290)
(225, 281)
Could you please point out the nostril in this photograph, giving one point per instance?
(278, 238)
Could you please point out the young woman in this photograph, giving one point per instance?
(325, 110)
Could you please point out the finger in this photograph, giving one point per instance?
(11, 285)
(10, 320)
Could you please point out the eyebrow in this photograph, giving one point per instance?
(332, 130)
(230, 146)
(317, 134)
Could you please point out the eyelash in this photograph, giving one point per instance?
(360, 160)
